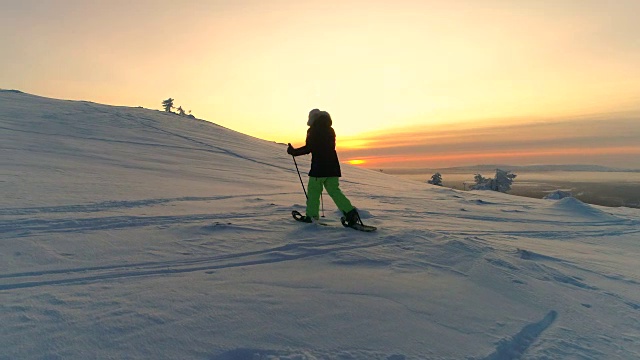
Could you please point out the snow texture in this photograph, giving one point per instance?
(128, 233)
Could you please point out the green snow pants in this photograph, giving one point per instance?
(332, 184)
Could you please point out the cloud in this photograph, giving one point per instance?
(596, 139)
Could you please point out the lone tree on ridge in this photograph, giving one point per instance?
(168, 105)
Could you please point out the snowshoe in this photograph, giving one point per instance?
(352, 220)
(302, 218)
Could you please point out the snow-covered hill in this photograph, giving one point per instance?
(128, 233)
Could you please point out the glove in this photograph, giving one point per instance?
(290, 149)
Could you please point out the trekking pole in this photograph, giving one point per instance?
(322, 202)
(301, 183)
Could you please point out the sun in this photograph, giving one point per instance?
(357, 162)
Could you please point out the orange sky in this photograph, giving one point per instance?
(511, 157)
(608, 139)
(411, 70)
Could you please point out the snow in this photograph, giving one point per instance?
(557, 195)
(132, 233)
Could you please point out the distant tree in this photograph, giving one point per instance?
(180, 111)
(167, 104)
(482, 183)
(436, 179)
(502, 181)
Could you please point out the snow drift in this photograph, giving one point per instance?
(132, 233)
(557, 195)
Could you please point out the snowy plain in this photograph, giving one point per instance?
(128, 233)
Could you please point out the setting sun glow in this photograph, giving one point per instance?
(357, 162)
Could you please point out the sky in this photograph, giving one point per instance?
(407, 83)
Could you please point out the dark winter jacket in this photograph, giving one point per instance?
(321, 143)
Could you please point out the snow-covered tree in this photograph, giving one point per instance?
(482, 183)
(167, 104)
(436, 179)
(502, 181)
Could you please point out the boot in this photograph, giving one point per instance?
(352, 217)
